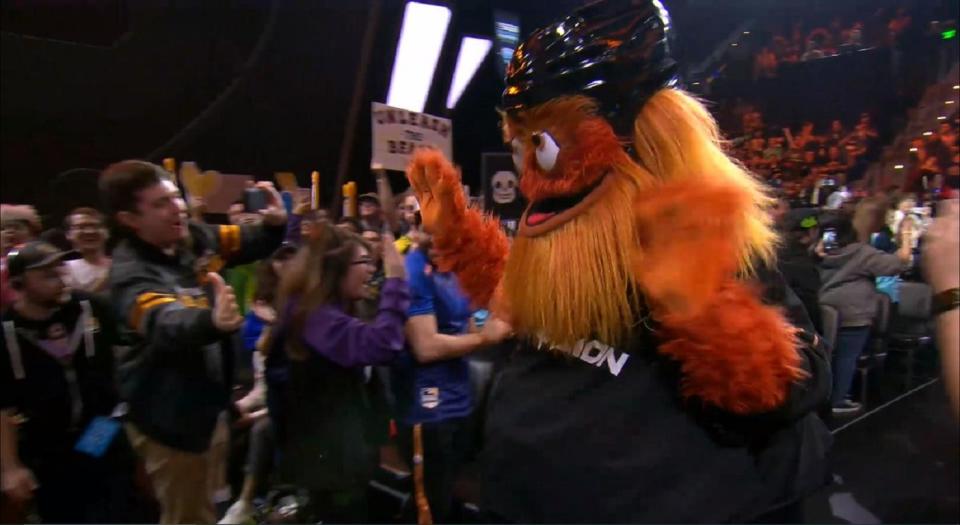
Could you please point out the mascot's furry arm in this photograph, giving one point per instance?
(735, 352)
(468, 242)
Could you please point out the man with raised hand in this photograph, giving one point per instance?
(179, 316)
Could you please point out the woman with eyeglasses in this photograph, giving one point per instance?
(318, 393)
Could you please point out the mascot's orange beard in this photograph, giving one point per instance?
(575, 282)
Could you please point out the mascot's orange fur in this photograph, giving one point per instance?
(662, 240)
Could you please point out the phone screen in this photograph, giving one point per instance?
(829, 240)
(254, 200)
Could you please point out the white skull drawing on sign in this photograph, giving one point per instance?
(504, 187)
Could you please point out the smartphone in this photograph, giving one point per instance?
(254, 200)
(829, 240)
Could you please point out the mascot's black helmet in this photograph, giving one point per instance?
(616, 51)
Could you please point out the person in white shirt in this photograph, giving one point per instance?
(88, 234)
(836, 199)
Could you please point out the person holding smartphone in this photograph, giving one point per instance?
(848, 273)
(318, 394)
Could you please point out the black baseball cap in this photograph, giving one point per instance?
(33, 255)
(369, 197)
(799, 219)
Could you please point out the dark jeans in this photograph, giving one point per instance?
(77, 488)
(850, 344)
(444, 445)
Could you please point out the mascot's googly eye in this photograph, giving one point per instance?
(547, 150)
(517, 146)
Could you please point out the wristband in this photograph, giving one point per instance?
(946, 300)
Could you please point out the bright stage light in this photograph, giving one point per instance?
(421, 39)
(472, 53)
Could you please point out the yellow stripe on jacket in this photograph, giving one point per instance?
(145, 302)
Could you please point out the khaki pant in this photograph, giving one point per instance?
(184, 482)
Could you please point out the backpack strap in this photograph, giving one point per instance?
(87, 321)
(13, 348)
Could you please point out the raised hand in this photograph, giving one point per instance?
(392, 260)
(226, 313)
(265, 311)
(437, 185)
(302, 208)
(275, 214)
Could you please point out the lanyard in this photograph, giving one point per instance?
(84, 329)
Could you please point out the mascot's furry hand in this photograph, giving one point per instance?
(437, 185)
(466, 241)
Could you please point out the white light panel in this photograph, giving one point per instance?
(421, 39)
(472, 52)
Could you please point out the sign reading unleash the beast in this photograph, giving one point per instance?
(397, 132)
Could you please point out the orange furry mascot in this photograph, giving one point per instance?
(638, 222)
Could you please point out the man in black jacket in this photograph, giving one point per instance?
(56, 393)
(800, 230)
(178, 315)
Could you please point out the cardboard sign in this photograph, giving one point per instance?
(197, 184)
(218, 190)
(286, 180)
(230, 191)
(398, 132)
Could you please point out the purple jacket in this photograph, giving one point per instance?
(350, 342)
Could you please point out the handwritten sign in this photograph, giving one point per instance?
(398, 132)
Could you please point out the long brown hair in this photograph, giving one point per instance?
(869, 217)
(314, 276)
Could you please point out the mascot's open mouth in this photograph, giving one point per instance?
(546, 214)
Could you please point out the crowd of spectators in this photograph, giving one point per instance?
(803, 42)
(799, 162)
(306, 305)
(127, 329)
(120, 387)
(934, 161)
(851, 256)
